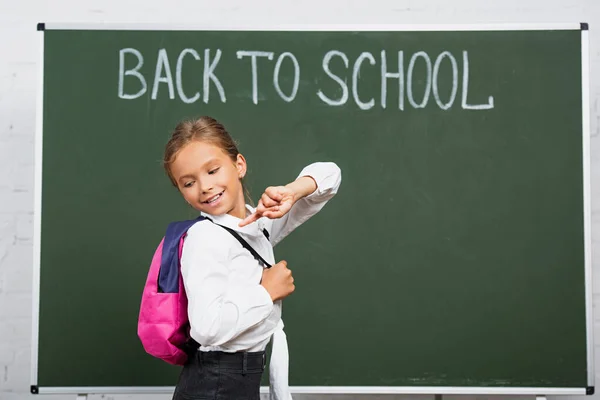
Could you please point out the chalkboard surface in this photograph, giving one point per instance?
(452, 256)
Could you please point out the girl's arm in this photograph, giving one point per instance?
(219, 307)
(327, 178)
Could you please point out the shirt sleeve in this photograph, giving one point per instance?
(219, 307)
(328, 177)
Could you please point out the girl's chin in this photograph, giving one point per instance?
(212, 211)
(216, 211)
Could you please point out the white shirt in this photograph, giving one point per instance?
(228, 309)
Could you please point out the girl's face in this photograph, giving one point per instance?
(209, 180)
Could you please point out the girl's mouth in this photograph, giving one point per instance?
(213, 200)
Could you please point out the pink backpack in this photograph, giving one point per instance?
(163, 325)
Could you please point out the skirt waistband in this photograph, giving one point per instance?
(242, 361)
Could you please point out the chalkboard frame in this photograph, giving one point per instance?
(42, 27)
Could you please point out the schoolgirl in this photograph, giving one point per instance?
(234, 302)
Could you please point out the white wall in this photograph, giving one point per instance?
(18, 74)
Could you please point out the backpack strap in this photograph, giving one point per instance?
(244, 243)
(247, 246)
(168, 275)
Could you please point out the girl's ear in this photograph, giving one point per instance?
(240, 164)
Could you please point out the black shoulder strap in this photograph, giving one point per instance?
(245, 244)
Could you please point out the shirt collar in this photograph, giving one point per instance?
(232, 222)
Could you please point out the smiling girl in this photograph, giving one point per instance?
(234, 302)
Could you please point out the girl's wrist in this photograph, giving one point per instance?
(303, 186)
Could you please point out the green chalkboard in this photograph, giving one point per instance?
(454, 254)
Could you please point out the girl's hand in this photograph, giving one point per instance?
(277, 201)
(278, 281)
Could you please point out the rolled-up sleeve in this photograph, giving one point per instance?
(219, 307)
(328, 178)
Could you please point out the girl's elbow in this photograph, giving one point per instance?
(334, 178)
(213, 328)
(206, 334)
(338, 176)
(204, 324)
(334, 173)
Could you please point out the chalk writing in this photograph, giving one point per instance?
(346, 74)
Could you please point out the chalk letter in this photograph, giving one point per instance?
(254, 54)
(411, 66)
(386, 75)
(296, 76)
(131, 72)
(178, 83)
(466, 89)
(436, 69)
(355, 73)
(209, 74)
(163, 63)
(336, 78)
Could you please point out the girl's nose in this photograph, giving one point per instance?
(206, 187)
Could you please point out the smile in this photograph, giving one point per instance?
(214, 199)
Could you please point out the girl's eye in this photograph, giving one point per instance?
(188, 184)
(213, 171)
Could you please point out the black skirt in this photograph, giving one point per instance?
(217, 375)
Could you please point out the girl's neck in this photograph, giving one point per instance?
(239, 210)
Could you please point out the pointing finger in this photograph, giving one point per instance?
(249, 219)
(272, 214)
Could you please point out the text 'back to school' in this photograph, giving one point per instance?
(166, 78)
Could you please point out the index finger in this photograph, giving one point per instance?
(249, 219)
